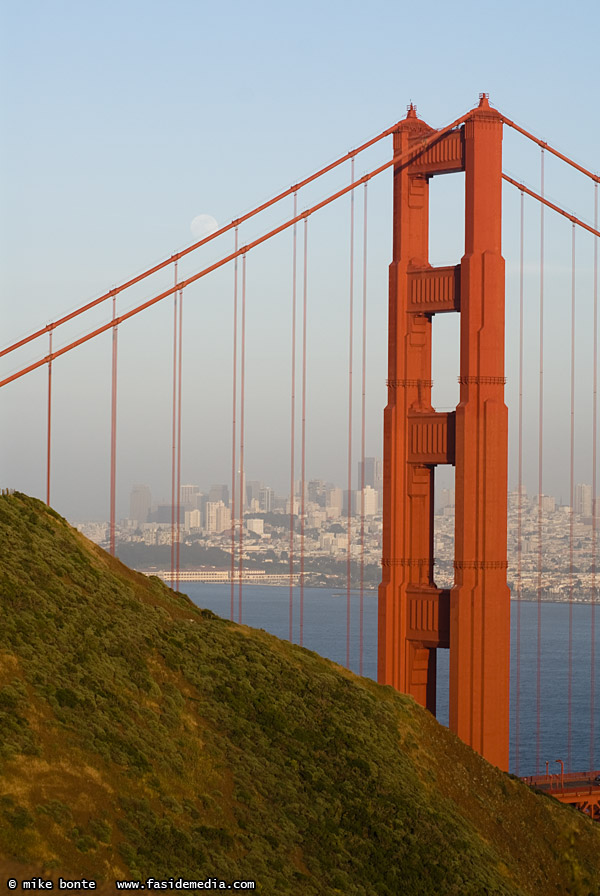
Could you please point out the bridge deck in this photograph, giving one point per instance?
(581, 790)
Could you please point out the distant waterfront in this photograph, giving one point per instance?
(261, 577)
(325, 633)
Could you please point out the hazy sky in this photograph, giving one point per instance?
(122, 121)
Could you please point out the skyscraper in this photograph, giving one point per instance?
(188, 495)
(368, 498)
(219, 493)
(266, 499)
(218, 517)
(140, 502)
(253, 487)
(373, 473)
(583, 499)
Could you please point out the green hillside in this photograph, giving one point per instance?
(141, 736)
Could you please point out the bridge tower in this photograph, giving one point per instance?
(472, 619)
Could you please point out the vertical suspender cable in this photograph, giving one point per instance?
(174, 430)
(242, 409)
(572, 514)
(49, 428)
(233, 435)
(594, 486)
(303, 436)
(350, 346)
(179, 390)
(520, 497)
(363, 441)
(293, 419)
(113, 433)
(540, 477)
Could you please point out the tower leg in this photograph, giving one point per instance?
(480, 599)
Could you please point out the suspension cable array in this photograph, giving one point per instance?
(224, 260)
(298, 515)
(176, 256)
(177, 292)
(546, 146)
(594, 230)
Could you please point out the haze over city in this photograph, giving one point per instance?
(121, 132)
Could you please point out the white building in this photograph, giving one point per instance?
(218, 517)
(333, 543)
(369, 499)
(288, 507)
(548, 503)
(193, 520)
(316, 518)
(335, 499)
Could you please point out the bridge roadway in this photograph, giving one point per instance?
(578, 789)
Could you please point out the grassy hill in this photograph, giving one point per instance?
(141, 736)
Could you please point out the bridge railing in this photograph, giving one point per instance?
(564, 781)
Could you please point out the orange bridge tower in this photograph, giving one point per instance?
(472, 619)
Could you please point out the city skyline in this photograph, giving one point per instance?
(562, 573)
(444, 496)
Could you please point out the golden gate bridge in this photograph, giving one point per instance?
(416, 618)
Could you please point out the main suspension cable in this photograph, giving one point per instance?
(405, 158)
(555, 208)
(207, 239)
(265, 205)
(546, 146)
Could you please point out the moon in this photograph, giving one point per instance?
(203, 225)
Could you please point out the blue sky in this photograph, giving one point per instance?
(121, 121)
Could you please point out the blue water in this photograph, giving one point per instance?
(325, 633)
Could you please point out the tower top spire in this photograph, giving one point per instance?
(411, 111)
(484, 101)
